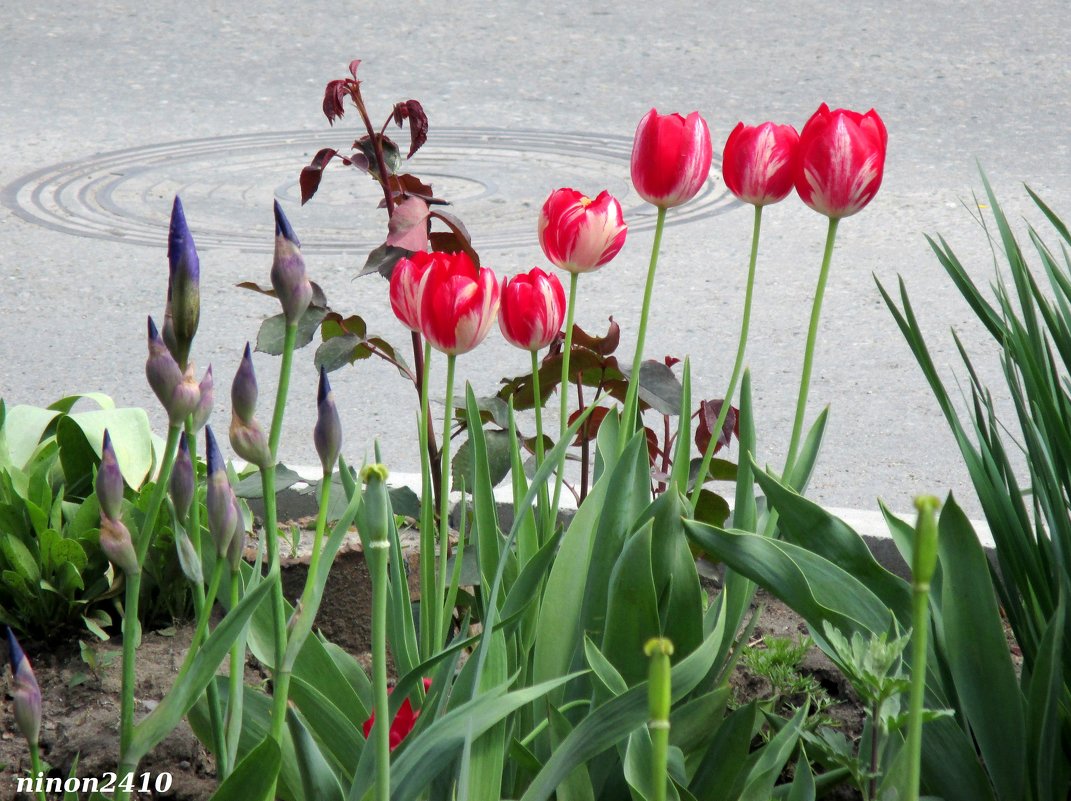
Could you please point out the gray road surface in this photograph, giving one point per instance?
(562, 85)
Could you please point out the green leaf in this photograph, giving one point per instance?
(22, 431)
(772, 758)
(317, 779)
(19, 559)
(253, 779)
(337, 733)
(1046, 685)
(152, 729)
(977, 654)
(803, 781)
(632, 609)
(721, 769)
(498, 459)
(252, 486)
(272, 332)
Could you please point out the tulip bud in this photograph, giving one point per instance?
(671, 158)
(458, 303)
(244, 388)
(288, 270)
(532, 311)
(327, 434)
(182, 482)
(183, 286)
(377, 508)
(109, 481)
(177, 391)
(204, 405)
(219, 500)
(579, 234)
(924, 561)
(117, 546)
(759, 161)
(27, 693)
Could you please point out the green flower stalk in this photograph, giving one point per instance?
(563, 390)
(923, 565)
(377, 516)
(659, 700)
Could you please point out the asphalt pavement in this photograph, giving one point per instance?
(110, 108)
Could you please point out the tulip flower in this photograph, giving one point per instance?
(841, 160)
(183, 286)
(288, 277)
(670, 158)
(403, 721)
(579, 234)
(759, 161)
(407, 285)
(458, 304)
(327, 433)
(109, 484)
(27, 694)
(532, 309)
(246, 434)
(177, 390)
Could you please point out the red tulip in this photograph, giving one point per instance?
(579, 234)
(533, 308)
(458, 303)
(401, 725)
(759, 161)
(406, 284)
(670, 158)
(841, 160)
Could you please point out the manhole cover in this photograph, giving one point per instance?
(495, 179)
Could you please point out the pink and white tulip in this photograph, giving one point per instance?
(458, 303)
(579, 234)
(533, 309)
(406, 285)
(758, 162)
(670, 158)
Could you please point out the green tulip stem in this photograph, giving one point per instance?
(235, 683)
(630, 415)
(193, 531)
(659, 701)
(131, 624)
(381, 729)
(808, 356)
(35, 769)
(923, 565)
(738, 366)
(444, 505)
(280, 677)
(563, 390)
(429, 610)
(545, 514)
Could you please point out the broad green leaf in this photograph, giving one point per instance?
(19, 559)
(497, 458)
(22, 431)
(694, 723)
(722, 767)
(603, 669)
(1046, 685)
(336, 732)
(318, 780)
(803, 781)
(253, 779)
(131, 436)
(632, 608)
(978, 656)
(763, 772)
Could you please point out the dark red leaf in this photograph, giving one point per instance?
(309, 181)
(334, 94)
(353, 67)
(672, 361)
(708, 416)
(461, 240)
(653, 451)
(408, 227)
(604, 345)
(418, 123)
(590, 429)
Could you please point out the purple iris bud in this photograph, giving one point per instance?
(204, 405)
(177, 391)
(237, 543)
(183, 286)
(109, 481)
(117, 546)
(182, 485)
(288, 276)
(220, 499)
(327, 434)
(244, 388)
(27, 694)
(250, 442)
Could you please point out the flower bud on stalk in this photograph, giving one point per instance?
(237, 544)
(377, 504)
(327, 434)
(183, 287)
(182, 482)
(207, 400)
(220, 498)
(109, 481)
(117, 546)
(671, 158)
(177, 391)
(288, 277)
(27, 693)
(246, 434)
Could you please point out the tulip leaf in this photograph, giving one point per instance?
(254, 777)
(318, 780)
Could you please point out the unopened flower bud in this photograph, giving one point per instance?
(188, 561)
(117, 546)
(236, 546)
(288, 276)
(109, 481)
(177, 391)
(924, 561)
(327, 434)
(182, 482)
(185, 398)
(27, 693)
(219, 500)
(376, 502)
(183, 286)
(250, 442)
(244, 388)
(204, 404)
